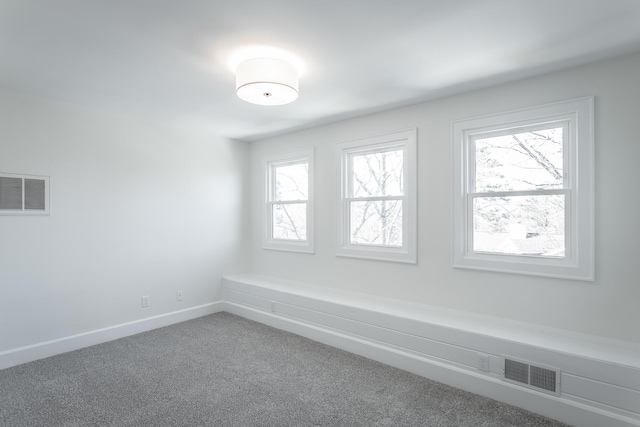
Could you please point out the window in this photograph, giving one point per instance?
(24, 194)
(523, 191)
(289, 202)
(378, 197)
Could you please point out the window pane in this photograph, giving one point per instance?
(377, 174)
(292, 182)
(290, 221)
(376, 223)
(527, 225)
(520, 161)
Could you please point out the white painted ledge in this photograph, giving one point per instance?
(614, 351)
(600, 378)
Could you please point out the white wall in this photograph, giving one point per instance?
(137, 208)
(607, 307)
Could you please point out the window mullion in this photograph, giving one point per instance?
(522, 193)
(569, 149)
(471, 165)
(289, 202)
(375, 198)
(271, 196)
(469, 224)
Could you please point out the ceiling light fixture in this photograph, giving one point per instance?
(267, 81)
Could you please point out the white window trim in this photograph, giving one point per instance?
(24, 211)
(578, 263)
(408, 252)
(269, 162)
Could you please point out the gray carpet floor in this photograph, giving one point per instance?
(224, 370)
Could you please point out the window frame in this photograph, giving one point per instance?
(578, 189)
(407, 141)
(270, 163)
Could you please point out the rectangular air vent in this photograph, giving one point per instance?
(24, 194)
(532, 376)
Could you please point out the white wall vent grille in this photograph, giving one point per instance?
(24, 194)
(536, 377)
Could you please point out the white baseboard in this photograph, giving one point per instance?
(596, 389)
(33, 352)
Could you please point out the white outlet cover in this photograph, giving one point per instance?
(483, 362)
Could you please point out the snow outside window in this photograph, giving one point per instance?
(289, 202)
(378, 197)
(523, 192)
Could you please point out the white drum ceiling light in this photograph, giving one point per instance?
(267, 81)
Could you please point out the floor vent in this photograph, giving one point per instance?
(536, 377)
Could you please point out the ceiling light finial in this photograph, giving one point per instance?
(267, 81)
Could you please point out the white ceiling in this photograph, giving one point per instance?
(169, 59)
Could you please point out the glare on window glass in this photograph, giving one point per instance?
(377, 174)
(520, 161)
(292, 182)
(289, 221)
(376, 223)
(526, 225)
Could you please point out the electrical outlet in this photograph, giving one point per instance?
(179, 295)
(483, 362)
(146, 301)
